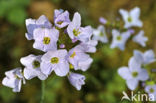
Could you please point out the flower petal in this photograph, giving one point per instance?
(143, 75)
(132, 84)
(124, 73)
(62, 69)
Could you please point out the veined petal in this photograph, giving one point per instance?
(143, 75)
(85, 34)
(39, 33)
(29, 73)
(84, 65)
(18, 84)
(140, 38)
(124, 14)
(77, 20)
(77, 80)
(62, 69)
(149, 57)
(138, 56)
(132, 84)
(46, 68)
(125, 73)
(9, 82)
(134, 65)
(42, 76)
(27, 61)
(43, 20)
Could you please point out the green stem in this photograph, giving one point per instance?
(43, 91)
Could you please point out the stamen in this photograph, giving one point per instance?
(118, 38)
(54, 60)
(134, 74)
(129, 19)
(101, 34)
(151, 90)
(36, 64)
(46, 40)
(76, 32)
(59, 22)
(73, 55)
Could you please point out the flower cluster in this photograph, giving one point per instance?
(136, 71)
(65, 44)
(121, 34)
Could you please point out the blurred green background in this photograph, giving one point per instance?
(103, 85)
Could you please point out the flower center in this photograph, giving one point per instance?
(76, 32)
(101, 34)
(36, 64)
(71, 66)
(59, 22)
(17, 77)
(118, 38)
(46, 40)
(73, 55)
(129, 19)
(151, 90)
(134, 74)
(54, 60)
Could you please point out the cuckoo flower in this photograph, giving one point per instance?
(131, 18)
(32, 24)
(144, 58)
(89, 47)
(77, 80)
(32, 67)
(133, 74)
(119, 39)
(79, 59)
(14, 79)
(100, 34)
(61, 19)
(55, 61)
(151, 90)
(76, 32)
(140, 38)
(46, 39)
(84, 65)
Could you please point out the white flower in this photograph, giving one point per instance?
(32, 24)
(32, 67)
(119, 39)
(14, 79)
(100, 34)
(77, 80)
(133, 74)
(79, 59)
(151, 90)
(89, 47)
(131, 18)
(46, 39)
(55, 61)
(144, 58)
(75, 31)
(140, 38)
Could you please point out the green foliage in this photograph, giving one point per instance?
(14, 10)
(14, 18)
(7, 95)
